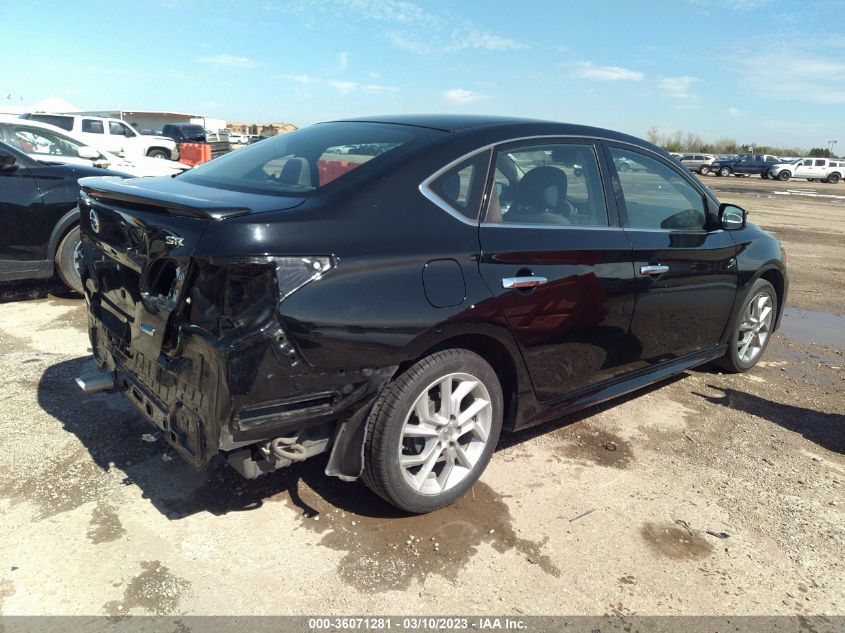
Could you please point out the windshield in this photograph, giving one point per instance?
(302, 161)
(43, 143)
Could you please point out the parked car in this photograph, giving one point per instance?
(698, 162)
(192, 133)
(39, 221)
(813, 169)
(398, 313)
(745, 165)
(47, 143)
(238, 139)
(111, 135)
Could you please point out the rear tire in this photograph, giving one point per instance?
(833, 179)
(704, 170)
(752, 328)
(422, 453)
(67, 259)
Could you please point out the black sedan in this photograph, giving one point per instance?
(39, 222)
(400, 307)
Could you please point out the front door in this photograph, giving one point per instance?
(685, 268)
(559, 265)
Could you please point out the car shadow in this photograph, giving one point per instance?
(825, 429)
(35, 289)
(117, 437)
(113, 433)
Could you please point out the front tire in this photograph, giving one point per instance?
(432, 431)
(784, 176)
(158, 153)
(725, 171)
(752, 329)
(68, 260)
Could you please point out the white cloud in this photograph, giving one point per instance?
(231, 61)
(342, 87)
(734, 112)
(677, 87)
(735, 5)
(589, 70)
(453, 42)
(687, 106)
(343, 60)
(462, 96)
(795, 76)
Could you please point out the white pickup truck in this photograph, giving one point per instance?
(821, 169)
(111, 135)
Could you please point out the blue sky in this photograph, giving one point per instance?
(763, 71)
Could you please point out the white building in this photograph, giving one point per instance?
(155, 120)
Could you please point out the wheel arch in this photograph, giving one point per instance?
(775, 276)
(505, 362)
(62, 228)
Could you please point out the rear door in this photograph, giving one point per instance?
(559, 265)
(686, 272)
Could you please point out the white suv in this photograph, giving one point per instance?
(813, 169)
(111, 135)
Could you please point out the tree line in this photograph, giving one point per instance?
(679, 141)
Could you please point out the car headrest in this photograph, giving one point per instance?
(296, 171)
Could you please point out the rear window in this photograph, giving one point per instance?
(64, 122)
(305, 160)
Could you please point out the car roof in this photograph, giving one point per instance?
(459, 123)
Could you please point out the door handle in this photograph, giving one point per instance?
(523, 282)
(654, 269)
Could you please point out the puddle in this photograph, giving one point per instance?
(596, 446)
(155, 590)
(105, 525)
(674, 542)
(812, 326)
(383, 548)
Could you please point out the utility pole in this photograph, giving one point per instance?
(832, 143)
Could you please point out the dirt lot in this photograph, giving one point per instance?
(724, 494)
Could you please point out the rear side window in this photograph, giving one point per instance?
(656, 196)
(820, 163)
(63, 122)
(461, 186)
(303, 161)
(92, 126)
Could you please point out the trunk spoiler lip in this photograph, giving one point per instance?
(115, 189)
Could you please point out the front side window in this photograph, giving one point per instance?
(551, 184)
(300, 162)
(657, 197)
(92, 126)
(116, 128)
(37, 141)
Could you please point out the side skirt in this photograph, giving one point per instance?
(632, 382)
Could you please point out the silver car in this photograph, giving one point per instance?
(698, 162)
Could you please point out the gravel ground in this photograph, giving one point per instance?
(722, 494)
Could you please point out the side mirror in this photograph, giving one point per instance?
(102, 163)
(88, 153)
(732, 217)
(7, 161)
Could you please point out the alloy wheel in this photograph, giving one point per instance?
(445, 433)
(755, 328)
